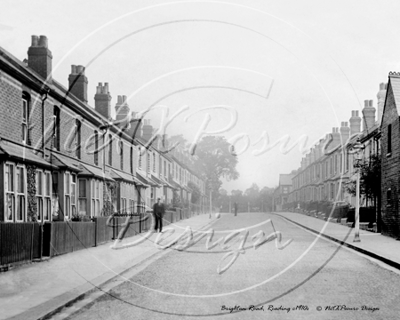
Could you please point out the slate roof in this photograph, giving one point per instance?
(90, 170)
(65, 162)
(19, 152)
(394, 83)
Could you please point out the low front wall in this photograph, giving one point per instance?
(70, 236)
(19, 242)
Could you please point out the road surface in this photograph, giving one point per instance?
(309, 278)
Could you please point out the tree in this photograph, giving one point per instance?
(196, 192)
(370, 179)
(266, 195)
(177, 141)
(215, 161)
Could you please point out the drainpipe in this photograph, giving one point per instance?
(44, 98)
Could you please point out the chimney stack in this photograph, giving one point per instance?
(102, 100)
(78, 83)
(40, 57)
(123, 117)
(381, 100)
(368, 115)
(302, 163)
(344, 132)
(147, 130)
(312, 156)
(336, 137)
(355, 123)
(122, 109)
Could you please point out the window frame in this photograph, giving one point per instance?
(25, 118)
(44, 201)
(84, 197)
(95, 197)
(110, 150)
(96, 148)
(78, 138)
(70, 190)
(15, 193)
(131, 160)
(56, 130)
(140, 158)
(121, 154)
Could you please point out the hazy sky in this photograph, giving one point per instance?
(256, 71)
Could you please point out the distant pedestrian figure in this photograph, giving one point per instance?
(235, 208)
(158, 213)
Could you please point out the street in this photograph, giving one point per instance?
(306, 279)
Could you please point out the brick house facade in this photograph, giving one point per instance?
(61, 157)
(390, 163)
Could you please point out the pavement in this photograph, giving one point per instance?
(41, 289)
(375, 245)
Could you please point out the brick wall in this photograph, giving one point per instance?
(11, 107)
(390, 168)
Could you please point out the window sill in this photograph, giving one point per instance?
(389, 154)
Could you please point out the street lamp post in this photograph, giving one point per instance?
(356, 148)
(357, 213)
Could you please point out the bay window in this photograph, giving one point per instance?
(95, 191)
(123, 206)
(43, 195)
(70, 194)
(82, 201)
(15, 193)
(132, 208)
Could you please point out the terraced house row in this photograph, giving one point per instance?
(61, 158)
(328, 171)
(328, 168)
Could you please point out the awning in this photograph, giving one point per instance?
(146, 181)
(64, 162)
(176, 185)
(169, 185)
(158, 181)
(120, 175)
(18, 152)
(92, 171)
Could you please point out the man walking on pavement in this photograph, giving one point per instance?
(158, 213)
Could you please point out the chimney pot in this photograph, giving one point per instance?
(43, 41)
(80, 70)
(35, 41)
(73, 69)
(366, 103)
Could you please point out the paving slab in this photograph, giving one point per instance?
(376, 245)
